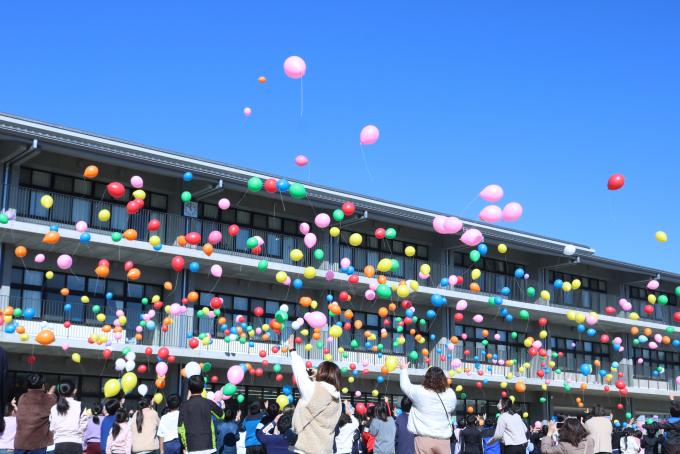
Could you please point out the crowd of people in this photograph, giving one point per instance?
(45, 421)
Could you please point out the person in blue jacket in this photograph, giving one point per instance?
(249, 424)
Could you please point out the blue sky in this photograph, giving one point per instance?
(546, 99)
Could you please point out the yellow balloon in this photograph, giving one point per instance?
(651, 298)
(634, 316)
(502, 248)
(111, 388)
(345, 390)
(504, 384)
(425, 269)
(308, 347)
(334, 231)
(402, 291)
(310, 272)
(157, 398)
(23, 337)
(46, 201)
(355, 239)
(335, 331)
(543, 334)
(122, 320)
(580, 317)
(566, 286)
(101, 318)
(281, 277)
(155, 240)
(128, 382)
(545, 295)
(49, 275)
(104, 215)
(375, 393)
(84, 299)
(384, 265)
(139, 194)
(75, 357)
(296, 255)
(391, 363)
(475, 274)
(350, 379)
(528, 341)
(661, 236)
(571, 315)
(155, 298)
(544, 387)
(414, 285)
(282, 400)
(576, 284)
(410, 251)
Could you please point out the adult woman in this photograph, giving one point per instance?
(573, 439)
(92, 432)
(629, 443)
(383, 429)
(433, 404)
(144, 428)
(599, 428)
(318, 410)
(510, 429)
(65, 421)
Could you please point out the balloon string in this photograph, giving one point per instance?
(301, 98)
(363, 155)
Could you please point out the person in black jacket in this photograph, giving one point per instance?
(471, 437)
(195, 422)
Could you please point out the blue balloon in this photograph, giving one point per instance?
(194, 267)
(586, 369)
(591, 332)
(10, 328)
(188, 176)
(509, 318)
(67, 307)
(329, 297)
(437, 300)
(350, 269)
(558, 283)
(444, 282)
(430, 314)
(150, 325)
(615, 364)
(283, 185)
(602, 372)
(497, 300)
(85, 237)
(580, 328)
(482, 248)
(433, 336)
(519, 273)
(297, 283)
(675, 343)
(158, 247)
(29, 313)
(54, 228)
(380, 379)
(409, 312)
(504, 311)
(505, 291)
(109, 295)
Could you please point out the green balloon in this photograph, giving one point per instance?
(524, 314)
(567, 387)
(475, 255)
(629, 415)
(662, 299)
(18, 312)
(354, 343)
(281, 316)
(3, 218)
(240, 398)
(513, 335)
(383, 291)
(319, 254)
(255, 184)
(490, 300)
(413, 355)
(395, 265)
(145, 300)
(636, 342)
(251, 242)
(463, 395)
(400, 329)
(677, 290)
(125, 351)
(185, 196)
(558, 371)
(142, 323)
(669, 330)
(542, 399)
(229, 389)
(338, 215)
(199, 314)
(262, 265)
(485, 342)
(277, 368)
(207, 366)
(391, 233)
(531, 292)
(297, 191)
(96, 308)
(116, 236)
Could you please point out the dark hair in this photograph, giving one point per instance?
(64, 389)
(461, 422)
(254, 407)
(229, 414)
(329, 372)
(471, 420)
(344, 419)
(490, 421)
(273, 409)
(406, 404)
(675, 408)
(35, 381)
(637, 434)
(381, 411)
(111, 405)
(370, 411)
(173, 402)
(435, 380)
(598, 410)
(288, 409)
(651, 430)
(572, 432)
(96, 411)
(121, 418)
(139, 418)
(506, 405)
(195, 384)
(285, 423)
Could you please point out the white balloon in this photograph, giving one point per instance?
(129, 366)
(119, 365)
(131, 356)
(143, 390)
(210, 395)
(284, 308)
(192, 368)
(569, 249)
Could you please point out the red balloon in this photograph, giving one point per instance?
(163, 353)
(154, 225)
(344, 296)
(615, 182)
(606, 388)
(257, 250)
(620, 384)
(610, 310)
(141, 368)
(215, 302)
(67, 324)
(460, 280)
(623, 392)
(31, 359)
(193, 342)
(115, 189)
(258, 311)
(604, 339)
(279, 377)
(106, 353)
(193, 238)
(128, 265)
(104, 262)
(353, 279)
(458, 316)
(259, 372)
(148, 351)
(649, 309)
(379, 233)
(133, 206)
(177, 263)
(676, 316)
(214, 379)
(270, 185)
(171, 359)
(233, 230)
(348, 208)
(542, 321)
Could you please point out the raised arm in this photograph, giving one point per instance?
(304, 383)
(404, 382)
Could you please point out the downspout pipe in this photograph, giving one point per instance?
(7, 170)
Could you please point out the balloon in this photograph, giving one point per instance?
(304, 228)
(294, 67)
(391, 363)
(492, 193)
(161, 368)
(247, 111)
(192, 368)
(438, 224)
(297, 191)
(188, 176)
(625, 304)
(20, 251)
(491, 213)
(255, 184)
(472, 237)
(653, 284)
(44, 337)
(569, 249)
(91, 172)
(111, 388)
(115, 189)
(224, 204)
(143, 390)
(315, 319)
(452, 225)
(615, 182)
(104, 215)
(214, 237)
(282, 401)
(355, 239)
(46, 201)
(235, 375)
(64, 261)
(301, 161)
(262, 79)
(137, 182)
(661, 236)
(322, 220)
(177, 263)
(369, 135)
(216, 270)
(512, 211)
(310, 240)
(128, 382)
(39, 258)
(157, 398)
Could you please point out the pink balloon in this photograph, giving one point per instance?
(315, 319)
(438, 224)
(512, 211)
(235, 375)
(492, 193)
(345, 262)
(456, 363)
(658, 337)
(461, 305)
(161, 368)
(310, 240)
(322, 220)
(247, 111)
(652, 345)
(39, 258)
(81, 226)
(304, 228)
(294, 67)
(224, 204)
(491, 213)
(478, 318)
(369, 135)
(216, 270)
(369, 295)
(64, 261)
(136, 182)
(301, 160)
(453, 225)
(287, 282)
(214, 237)
(472, 237)
(653, 284)
(625, 304)
(330, 275)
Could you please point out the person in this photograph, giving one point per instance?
(277, 435)
(144, 428)
(490, 447)
(111, 406)
(250, 423)
(228, 434)
(629, 444)
(573, 439)
(599, 427)
(33, 434)
(433, 404)
(9, 429)
(195, 422)
(367, 438)
(383, 429)
(119, 438)
(168, 438)
(510, 429)
(403, 442)
(347, 429)
(93, 430)
(455, 439)
(535, 436)
(651, 442)
(471, 437)
(65, 421)
(319, 408)
(4, 408)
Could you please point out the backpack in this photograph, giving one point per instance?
(357, 443)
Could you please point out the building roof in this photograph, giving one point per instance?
(17, 127)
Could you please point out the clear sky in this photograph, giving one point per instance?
(546, 99)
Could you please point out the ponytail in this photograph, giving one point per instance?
(121, 418)
(139, 418)
(64, 389)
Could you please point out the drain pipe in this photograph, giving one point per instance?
(7, 170)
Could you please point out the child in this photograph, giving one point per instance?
(7, 435)
(119, 439)
(195, 422)
(65, 422)
(228, 434)
(347, 427)
(651, 443)
(167, 428)
(93, 430)
(144, 428)
(471, 437)
(33, 416)
(111, 406)
(273, 442)
(487, 435)
(250, 423)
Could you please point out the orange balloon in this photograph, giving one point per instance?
(316, 336)
(9, 310)
(91, 172)
(470, 409)
(265, 337)
(305, 301)
(666, 340)
(64, 291)
(382, 279)
(383, 370)
(369, 271)
(167, 285)
(382, 312)
(647, 332)
(20, 251)
(474, 287)
(335, 308)
(358, 324)
(130, 234)
(275, 325)
(208, 249)
(454, 339)
(485, 333)
(425, 352)
(51, 237)
(192, 297)
(134, 274)
(262, 79)
(520, 387)
(584, 386)
(392, 307)
(139, 336)
(44, 337)
(106, 328)
(349, 314)
(634, 330)
(20, 329)
(102, 271)
(160, 382)
(181, 240)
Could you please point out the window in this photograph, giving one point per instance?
(587, 283)
(487, 345)
(576, 352)
(657, 364)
